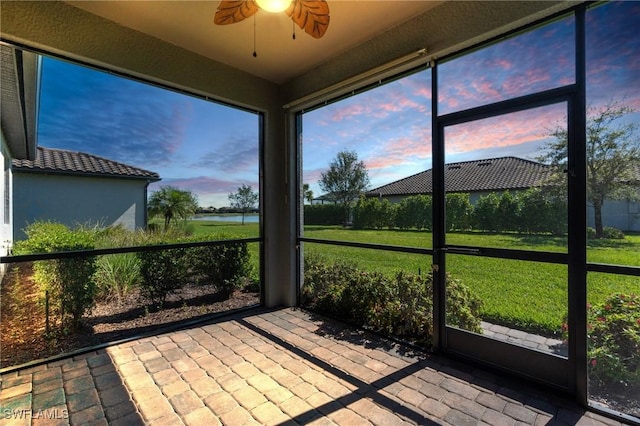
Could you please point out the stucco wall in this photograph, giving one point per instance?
(75, 200)
(6, 219)
(621, 214)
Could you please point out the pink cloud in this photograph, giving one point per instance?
(503, 63)
(378, 106)
(485, 90)
(351, 110)
(513, 129)
(424, 92)
(399, 151)
(312, 176)
(204, 185)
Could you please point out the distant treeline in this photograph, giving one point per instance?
(531, 211)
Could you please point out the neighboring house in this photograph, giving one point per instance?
(323, 199)
(77, 188)
(482, 177)
(621, 214)
(19, 111)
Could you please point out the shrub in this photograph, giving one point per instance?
(163, 272)
(117, 275)
(485, 213)
(508, 212)
(614, 340)
(542, 211)
(372, 213)
(324, 214)
(612, 233)
(166, 271)
(68, 282)
(608, 233)
(458, 212)
(414, 212)
(222, 265)
(401, 305)
(322, 284)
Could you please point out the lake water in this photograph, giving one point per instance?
(229, 218)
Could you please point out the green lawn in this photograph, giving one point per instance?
(529, 294)
(236, 230)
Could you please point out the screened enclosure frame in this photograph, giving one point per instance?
(150, 248)
(573, 95)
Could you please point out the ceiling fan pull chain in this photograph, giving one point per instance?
(255, 54)
(293, 24)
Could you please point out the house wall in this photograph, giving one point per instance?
(74, 200)
(623, 214)
(6, 216)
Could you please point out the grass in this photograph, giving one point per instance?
(529, 295)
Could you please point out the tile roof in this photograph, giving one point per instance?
(58, 161)
(495, 174)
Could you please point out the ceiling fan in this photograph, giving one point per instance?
(310, 15)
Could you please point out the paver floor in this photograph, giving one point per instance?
(273, 367)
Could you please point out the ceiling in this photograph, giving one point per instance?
(189, 24)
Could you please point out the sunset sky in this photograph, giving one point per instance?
(213, 149)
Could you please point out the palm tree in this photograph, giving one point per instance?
(172, 202)
(307, 193)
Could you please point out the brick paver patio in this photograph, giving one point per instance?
(273, 367)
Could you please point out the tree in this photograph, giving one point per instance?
(345, 180)
(244, 199)
(307, 193)
(171, 202)
(613, 156)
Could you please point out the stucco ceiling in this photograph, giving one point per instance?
(189, 24)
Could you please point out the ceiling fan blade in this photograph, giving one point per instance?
(311, 15)
(230, 12)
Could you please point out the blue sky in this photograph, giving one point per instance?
(193, 144)
(389, 127)
(212, 149)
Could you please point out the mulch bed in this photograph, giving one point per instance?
(23, 321)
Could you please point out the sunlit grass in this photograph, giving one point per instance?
(236, 230)
(529, 295)
(616, 252)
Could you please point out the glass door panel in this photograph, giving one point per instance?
(498, 193)
(506, 239)
(520, 302)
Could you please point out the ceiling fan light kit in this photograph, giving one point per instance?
(312, 16)
(274, 6)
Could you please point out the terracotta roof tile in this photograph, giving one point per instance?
(496, 174)
(60, 161)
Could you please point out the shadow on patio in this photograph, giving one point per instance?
(280, 366)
